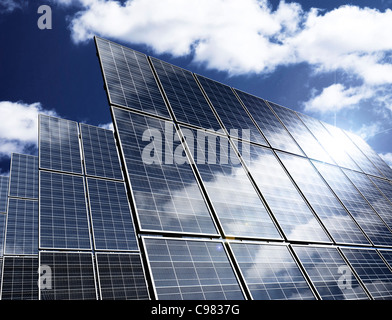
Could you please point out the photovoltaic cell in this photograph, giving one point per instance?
(383, 185)
(72, 276)
(371, 270)
(233, 116)
(3, 193)
(333, 215)
(166, 194)
(100, 153)
(381, 204)
(270, 272)
(335, 148)
(370, 154)
(276, 134)
(185, 97)
(301, 134)
(59, 145)
(63, 212)
(121, 277)
(191, 270)
(3, 219)
(111, 216)
(22, 227)
(24, 176)
(329, 273)
(291, 211)
(356, 204)
(129, 79)
(228, 186)
(20, 278)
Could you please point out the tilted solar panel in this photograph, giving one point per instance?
(4, 180)
(24, 176)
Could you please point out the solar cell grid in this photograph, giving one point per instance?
(371, 270)
(59, 145)
(384, 186)
(270, 272)
(333, 215)
(230, 111)
(100, 153)
(360, 209)
(3, 193)
(24, 176)
(329, 273)
(291, 211)
(3, 219)
(166, 194)
(273, 130)
(185, 97)
(191, 270)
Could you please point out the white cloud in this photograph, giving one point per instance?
(19, 126)
(7, 6)
(107, 126)
(387, 157)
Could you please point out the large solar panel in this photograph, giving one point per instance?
(59, 145)
(356, 204)
(371, 154)
(185, 97)
(71, 276)
(276, 134)
(227, 185)
(100, 153)
(377, 200)
(331, 276)
(372, 271)
(24, 176)
(129, 79)
(384, 186)
(22, 227)
(20, 278)
(111, 215)
(301, 134)
(270, 272)
(166, 194)
(3, 193)
(121, 277)
(63, 212)
(327, 206)
(191, 270)
(230, 111)
(286, 203)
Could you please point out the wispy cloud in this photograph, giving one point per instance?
(7, 6)
(19, 127)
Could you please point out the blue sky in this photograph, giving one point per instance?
(329, 59)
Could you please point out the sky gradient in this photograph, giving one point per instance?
(331, 60)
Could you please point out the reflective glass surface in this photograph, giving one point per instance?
(293, 214)
(20, 278)
(370, 154)
(335, 148)
(240, 210)
(329, 273)
(129, 79)
(111, 215)
(185, 97)
(230, 111)
(191, 270)
(372, 194)
(356, 204)
(24, 176)
(372, 271)
(72, 276)
(100, 153)
(333, 215)
(276, 134)
(270, 272)
(301, 134)
(166, 194)
(3, 193)
(3, 219)
(121, 277)
(22, 227)
(384, 186)
(63, 212)
(59, 145)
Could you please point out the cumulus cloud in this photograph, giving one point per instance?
(19, 127)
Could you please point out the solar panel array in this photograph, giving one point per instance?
(284, 206)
